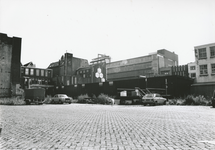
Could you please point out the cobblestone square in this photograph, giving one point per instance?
(104, 127)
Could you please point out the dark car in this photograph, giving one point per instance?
(213, 100)
(60, 99)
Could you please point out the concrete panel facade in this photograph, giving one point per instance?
(146, 65)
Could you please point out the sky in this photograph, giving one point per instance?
(121, 29)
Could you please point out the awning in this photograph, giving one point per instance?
(203, 83)
(41, 85)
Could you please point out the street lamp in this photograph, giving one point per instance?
(145, 79)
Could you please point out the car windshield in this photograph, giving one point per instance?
(63, 96)
(149, 95)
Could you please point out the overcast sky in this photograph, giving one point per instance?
(122, 29)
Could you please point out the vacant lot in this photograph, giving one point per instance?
(82, 126)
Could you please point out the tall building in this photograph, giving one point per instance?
(64, 70)
(10, 53)
(205, 69)
(95, 72)
(148, 65)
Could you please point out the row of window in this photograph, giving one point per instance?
(83, 71)
(182, 73)
(202, 53)
(204, 69)
(179, 68)
(70, 81)
(35, 81)
(36, 72)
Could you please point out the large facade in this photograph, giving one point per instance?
(205, 60)
(64, 70)
(148, 66)
(205, 69)
(95, 72)
(10, 53)
(102, 69)
(32, 77)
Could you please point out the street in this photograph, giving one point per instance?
(91, 126)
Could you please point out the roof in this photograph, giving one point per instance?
(29, 64)
(54, 64)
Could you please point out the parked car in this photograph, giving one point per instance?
(153, 99)
(60, 99)
(213, 100)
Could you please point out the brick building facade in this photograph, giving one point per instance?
(64, 70)
(10, 53)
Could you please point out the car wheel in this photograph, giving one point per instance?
(164, 102)
(52, 101)
(213, 103)
(27, 102)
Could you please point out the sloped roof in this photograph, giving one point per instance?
(29, 64)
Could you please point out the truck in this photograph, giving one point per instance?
(34, 96)
(136, 95)
(131, 96)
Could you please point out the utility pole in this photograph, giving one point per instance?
(166, 85)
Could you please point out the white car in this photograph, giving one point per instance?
(153, 99)
(61, 98)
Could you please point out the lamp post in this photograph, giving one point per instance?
(166, 85)
(145, 79)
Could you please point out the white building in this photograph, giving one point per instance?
(205, 69)
(205, 61)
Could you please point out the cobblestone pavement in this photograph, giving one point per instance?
(89, 127)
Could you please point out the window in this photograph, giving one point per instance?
(192, 67)
(75, 82)
(62, 79)
(68, 82)
(32, 72)
(203, 70)
(42, 72)
(49, 73)
(193, 75)
(196, 53)
(212, 51)
(26, 71)
(46, 73)
(22, 71)
(213, 68)
(202, 53)
(37, 72)
(39, 81)
(157, 95)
